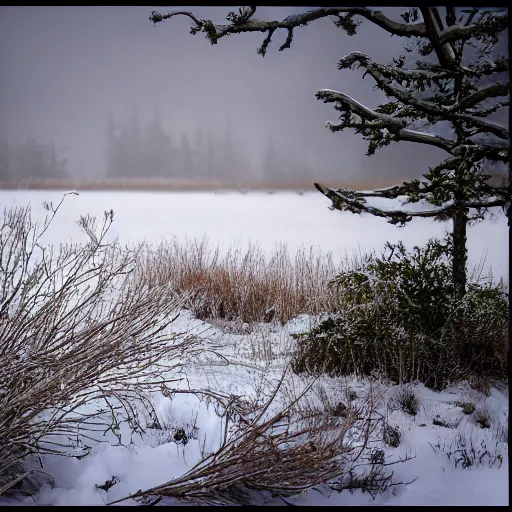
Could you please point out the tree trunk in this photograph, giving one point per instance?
(460, 253)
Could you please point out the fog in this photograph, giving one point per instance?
(67, 72)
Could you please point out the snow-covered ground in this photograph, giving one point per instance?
(257, 359)
(268, 219)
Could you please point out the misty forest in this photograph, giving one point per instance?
(137, 151)
(265, 269)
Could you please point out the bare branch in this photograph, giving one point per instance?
(215, 32)
(156, 17)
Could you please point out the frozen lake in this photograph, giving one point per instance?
(267, 219)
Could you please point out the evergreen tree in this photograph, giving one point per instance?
(130, 149)
(210, 156)
(33, 159)
(112, 168)
(447, 77)
(199, 153)
(5, 158)
(272, 164)
(187, 167)
(159, 155)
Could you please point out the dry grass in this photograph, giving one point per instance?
(184, 185)
(243, 285)
(179, 184)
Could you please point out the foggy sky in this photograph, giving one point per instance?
(62, 69)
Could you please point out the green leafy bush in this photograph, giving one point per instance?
(399, 315)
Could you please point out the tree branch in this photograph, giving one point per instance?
(157, 17)
(484, 126)
(343, 202)
(383, 75)
(474, 70)
(397, 126)
(215, 32)
(434, 26)
(493, 91)
(385, 83)
(483, 27)
(393, 124)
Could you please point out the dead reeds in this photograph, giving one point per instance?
(243, 285)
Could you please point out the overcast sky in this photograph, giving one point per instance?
(62, 69)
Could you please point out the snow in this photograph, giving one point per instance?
(258, 358)
(266, 219)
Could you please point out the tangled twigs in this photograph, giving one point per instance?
(284, 450)
(78, 327)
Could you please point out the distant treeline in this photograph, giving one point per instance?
(134, 151)
(30, 160)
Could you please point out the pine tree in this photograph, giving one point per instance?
(187, 160)
(159, 155)
(5, 157)
(211, 163)
(447, 77)
(130, 149)
(112, 157)
(272, 162)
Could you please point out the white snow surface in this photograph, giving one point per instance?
(257, 358)
(267, 219)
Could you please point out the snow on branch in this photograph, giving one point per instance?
(347, 200)
(371, 120)
(244, 23)
(384, 75)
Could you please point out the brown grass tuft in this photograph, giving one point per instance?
(243, 285)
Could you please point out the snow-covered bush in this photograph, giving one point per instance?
(399, 315)
(83, 340)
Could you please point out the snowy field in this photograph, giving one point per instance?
(437, 441)
(268, 219)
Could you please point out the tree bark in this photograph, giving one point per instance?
(459, 257)
(447, 58)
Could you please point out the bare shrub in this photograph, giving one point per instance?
(276, 448)
(467, 407)
(404, 400)
(242, 285)
(483, 418)
(78, 327)
(466, 451)
(391, 436)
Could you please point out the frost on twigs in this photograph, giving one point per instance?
(83, 340)
(281, 448)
